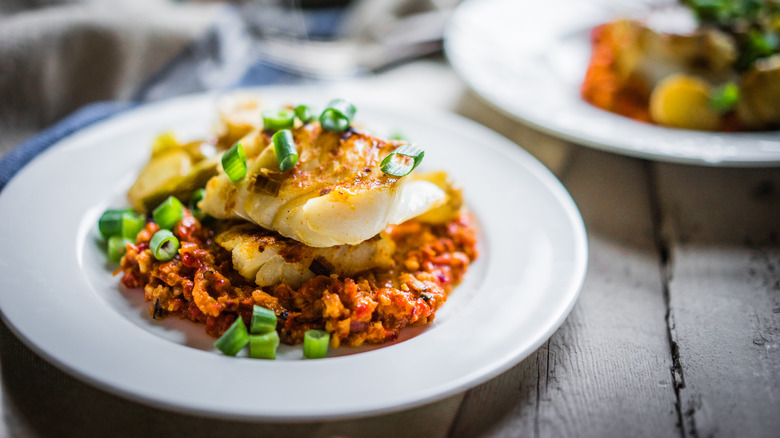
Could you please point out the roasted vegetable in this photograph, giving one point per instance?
(759, 107)
(174, 169)
(682, 101)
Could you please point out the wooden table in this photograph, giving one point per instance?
(675, 333)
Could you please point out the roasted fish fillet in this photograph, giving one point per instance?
(335, 195)
(268, 259)
(650, 56)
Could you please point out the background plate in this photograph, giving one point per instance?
(528, 59)
(59, 296)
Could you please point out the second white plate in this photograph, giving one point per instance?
(529, 58)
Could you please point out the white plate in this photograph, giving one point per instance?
(59, 296)
(528, 58)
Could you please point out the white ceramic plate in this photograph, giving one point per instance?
(528, 58)
(59, 296)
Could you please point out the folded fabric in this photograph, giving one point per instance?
(13, 162)
(56, 58)
(224, 57)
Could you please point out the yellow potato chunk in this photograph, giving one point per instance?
(759, 107)
(174, 168)
(682, 101)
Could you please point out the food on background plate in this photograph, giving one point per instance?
(307, 230)
(722, 73)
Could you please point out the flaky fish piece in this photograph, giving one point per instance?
(335, 195)
(650, 56)
(268, 259)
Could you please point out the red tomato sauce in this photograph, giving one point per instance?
(201, 285)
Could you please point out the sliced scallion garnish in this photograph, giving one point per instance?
(337, 115)
(315, 344)
(304, 113)
(196, 197)
(234, 338)
(117, 247)
(397, 162)
(168, 213)
(234, 162)
(265, 184)
(263, 320)
(264, 346)
(164, 245)
(281, 119)
(132, 224)
(725, 98)
(284, 146)
(110, 222)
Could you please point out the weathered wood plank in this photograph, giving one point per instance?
(721, 228)
(606, 371)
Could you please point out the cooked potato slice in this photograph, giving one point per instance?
(682, 101)
(173, 169)
(759, 107)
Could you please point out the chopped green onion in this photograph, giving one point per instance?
(338, 115)
(281, 119)
(164, 245)
(398, 136)
(263, 320)
(264, 346)
(717, 11)
(234, 338)
(117, 247)
(132, 224)
(234, 162)
(265, 184)
(757, 45)
(110, 222)
(315, 344)
(284, 146)
(392, 165)
(304, 113)
(196, 197)
(168, 213)
(725, 13)
(725, 98)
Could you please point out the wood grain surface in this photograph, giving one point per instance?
(676, 330)
(720, 228)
